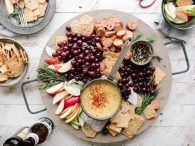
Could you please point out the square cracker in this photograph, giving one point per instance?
(155, 104)
(31, 4)
(88, 131)
(159, 75)
(42, 8)
(149, 112)
(29, 15)
(113, 127)
(113, 133)
(134, 125)
(36, 12)
(41, 1)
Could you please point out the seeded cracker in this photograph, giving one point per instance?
(159, 75)
(88, 131)
(149, 112)
(76, 26)
(134, 126)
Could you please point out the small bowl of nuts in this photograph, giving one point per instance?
(142, 53)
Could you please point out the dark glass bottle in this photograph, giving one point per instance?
(17, 139)
(39, 132)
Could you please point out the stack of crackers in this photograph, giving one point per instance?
(181, 3)
(12, 61)
(34, 9)
(84, 25)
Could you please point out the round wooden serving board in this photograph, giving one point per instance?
(159, 49)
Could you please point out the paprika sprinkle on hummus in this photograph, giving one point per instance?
(100, 99)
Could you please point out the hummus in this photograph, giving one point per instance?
(100, 99)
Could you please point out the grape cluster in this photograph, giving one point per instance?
(84, 53)
(140, 79)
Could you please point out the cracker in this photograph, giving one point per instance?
(86, 18)
(139, 101)
(3, 77)
(155, 104)
(15, 50)
(149, 112)
(41, 1)
(28, 15)
(86, 28)
(113, 133)
(76, 26)
(36, 12)
(31, 4)
(3, 68)
(181, 3)
(42, 8)
(134, 125)
(60, 38)
(88, 131)
(159, 75)
(113, 127)
(16, 68)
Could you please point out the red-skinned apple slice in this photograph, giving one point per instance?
(67, 112)
(71, 101)
(76, 112)
(58, 97)
(66, 67)
(60, 108)
(52, 61)
(55, 89)
(181, 14)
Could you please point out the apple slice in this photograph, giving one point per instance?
(52, 61)
(67, 112)
(81, 121)
(55, 89)
(76, 122)
(73, 88)
(76, 112)
(49, 51)
(71, 101)
(58, 97)
(66, 67)
(181, 14)
(74, 126)
(170, 9)
(60, 108)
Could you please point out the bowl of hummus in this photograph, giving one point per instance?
(100, 99)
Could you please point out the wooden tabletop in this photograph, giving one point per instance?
(175, 126)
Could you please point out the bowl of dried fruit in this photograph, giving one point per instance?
(142, 53)
(13, 62)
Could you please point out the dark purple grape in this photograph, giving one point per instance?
(92, 58)
(75, 52)
(73, 62)
(69, 39)
(79, 42)
(59, 44)
(88, 37)
(83, 39)
(54, 54)
(68, 28)
(81, 56)
(92, 73)
(69, 34)
(97, 39)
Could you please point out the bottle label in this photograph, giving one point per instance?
(34, 136)
(47, 124)
(23, 133)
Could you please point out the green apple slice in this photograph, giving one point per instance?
(170, 9)
(81, 121)
(67, 112)
(74, 126)
(76, 122)
(49, 51)
(76, 112)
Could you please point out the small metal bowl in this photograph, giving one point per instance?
(150, 48)
(184, 26)
(10, 84)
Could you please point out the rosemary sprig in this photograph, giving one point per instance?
(150, 39)
(48, 77)
(137, 36)
(146, 101)
(16, 17)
